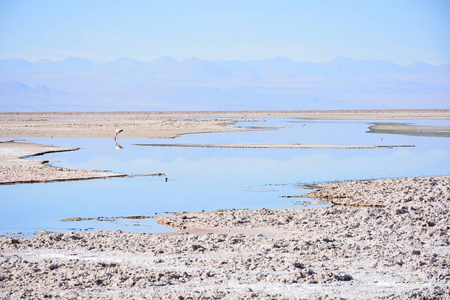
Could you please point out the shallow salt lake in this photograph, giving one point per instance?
(211, 178)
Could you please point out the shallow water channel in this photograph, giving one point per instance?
(198, 179)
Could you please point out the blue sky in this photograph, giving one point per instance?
(402, 31)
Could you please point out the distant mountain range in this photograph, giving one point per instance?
(197, 69)
(168, 84)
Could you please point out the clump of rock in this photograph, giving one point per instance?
(386, 192)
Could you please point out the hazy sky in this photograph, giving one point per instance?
(402, 31)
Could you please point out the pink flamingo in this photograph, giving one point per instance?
(117, 133)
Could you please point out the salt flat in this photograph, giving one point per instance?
(383, 239)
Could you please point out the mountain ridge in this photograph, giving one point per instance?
(168, 84)
(200, 69)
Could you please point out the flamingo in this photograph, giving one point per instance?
(117, 133)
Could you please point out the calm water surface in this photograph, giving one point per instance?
(208, 178)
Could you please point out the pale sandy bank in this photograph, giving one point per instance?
(172, 124)
(14, 169)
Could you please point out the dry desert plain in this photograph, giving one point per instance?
(382, 239)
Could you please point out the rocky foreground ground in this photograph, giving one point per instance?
(391, 241)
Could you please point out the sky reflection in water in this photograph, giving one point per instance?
(208, 178)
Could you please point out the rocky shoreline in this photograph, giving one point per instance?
(390, 241)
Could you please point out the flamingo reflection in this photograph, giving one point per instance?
(118, 147)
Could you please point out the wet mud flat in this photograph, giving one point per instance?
(407, 129)
(389, 241)
(279, 146)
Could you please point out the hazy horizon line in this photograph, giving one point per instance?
(220, 59)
